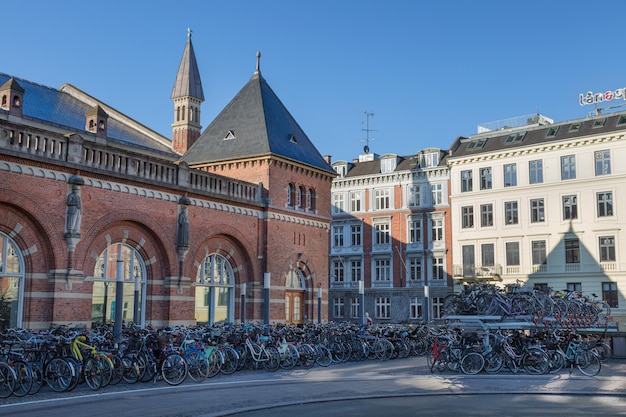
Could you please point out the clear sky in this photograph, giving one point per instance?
(429, 71)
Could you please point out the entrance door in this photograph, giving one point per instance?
(294, 306)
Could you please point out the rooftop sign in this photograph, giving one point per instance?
(594, 98)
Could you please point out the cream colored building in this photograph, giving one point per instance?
(543, 203)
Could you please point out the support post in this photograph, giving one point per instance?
(119, 297)
(243, 302)
(319, 304)
(361, 302)
(266, 306)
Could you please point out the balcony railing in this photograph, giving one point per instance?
(478, 273)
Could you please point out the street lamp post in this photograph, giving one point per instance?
(319, 303)
(119, 296)
(136, 300)
(361, 302)
(243, 302)
(266, 289)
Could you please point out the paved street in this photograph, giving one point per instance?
(391, 388)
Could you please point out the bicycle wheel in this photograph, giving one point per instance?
(197, 366)
(306, 355)
(107, 370)
(24, 378)
(271, 359)
(92, 372)
(556, 361)
(118, 370)
(603, 351)
(536, 362)
(174, 369)
(323, 358)
(493, 362)
(289, 358)
(7, 380)
(148, 367)
(59, 374)
(215, 360)
(131, 369)
(587, 363)
(472, 363)
(440, 363)
(37, 379)
(231, 361)
(338, 352)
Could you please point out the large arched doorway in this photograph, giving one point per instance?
(294, 296)
(215, 291)
(11, 283)
(119, 262)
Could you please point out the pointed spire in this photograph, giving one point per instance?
(188, 82)
(257, 71)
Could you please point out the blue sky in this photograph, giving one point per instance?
(429, 71)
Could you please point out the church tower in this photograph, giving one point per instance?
(188, 96)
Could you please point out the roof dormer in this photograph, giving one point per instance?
(12, 97)
(96, 121)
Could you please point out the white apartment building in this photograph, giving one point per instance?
(390, 236)
(543, 203)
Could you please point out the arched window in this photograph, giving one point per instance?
(178, 114)
(291, 192)
(184, 110)
(310, 200)
(301, 197)
(123, 261)
(215, 291)
(16, 101)
(4, 100)
(11, 283)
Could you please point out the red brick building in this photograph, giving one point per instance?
(104, 220)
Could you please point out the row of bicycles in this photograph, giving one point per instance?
(548, 351)
(62, 358)
(563, 308)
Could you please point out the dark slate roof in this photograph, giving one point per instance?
(261, 125)
(61, 109)
(188, 83)
(536, 135)
(404, 163)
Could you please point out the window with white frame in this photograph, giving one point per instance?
(607, 248)
(438, 268)
(301, 197)
(510, 175)
(512, 253)
(466, 181)
(609, 294)
(603, 162)
(356, 270)
(535, 171)
(605, 203)
(570, 207)
(437, 306)
(355, 201)
(430, 159)
(538, 248)
(382, 270)
(485, 178)
(383, 307)
(382, 233)
(415, 230)
(487, 253)
(511, 215)
(437, 230)
(338, 203)
(414, 195)
(572, 251)
(337, 236)
(341, 170)
(467, 217)
(568, 167)
(355, 235)
(415, 306)
(486, 215)
(382, 199)
(338, 271)
(537, 210)
(437, 194)
(12, 268)
(414, 268)
(290, 194)
(388, 164)
(354, 307)
(338, 307)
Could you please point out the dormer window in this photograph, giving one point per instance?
(230, 135)
(430, 159)
(552, 132)
(515, 137)
(388, 164)
(292, 138)
(575, 127)
(341, 170)
(599, 122)
(477, 144)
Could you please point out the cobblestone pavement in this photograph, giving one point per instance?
(404, 377)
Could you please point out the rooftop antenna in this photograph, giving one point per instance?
(367, 130)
